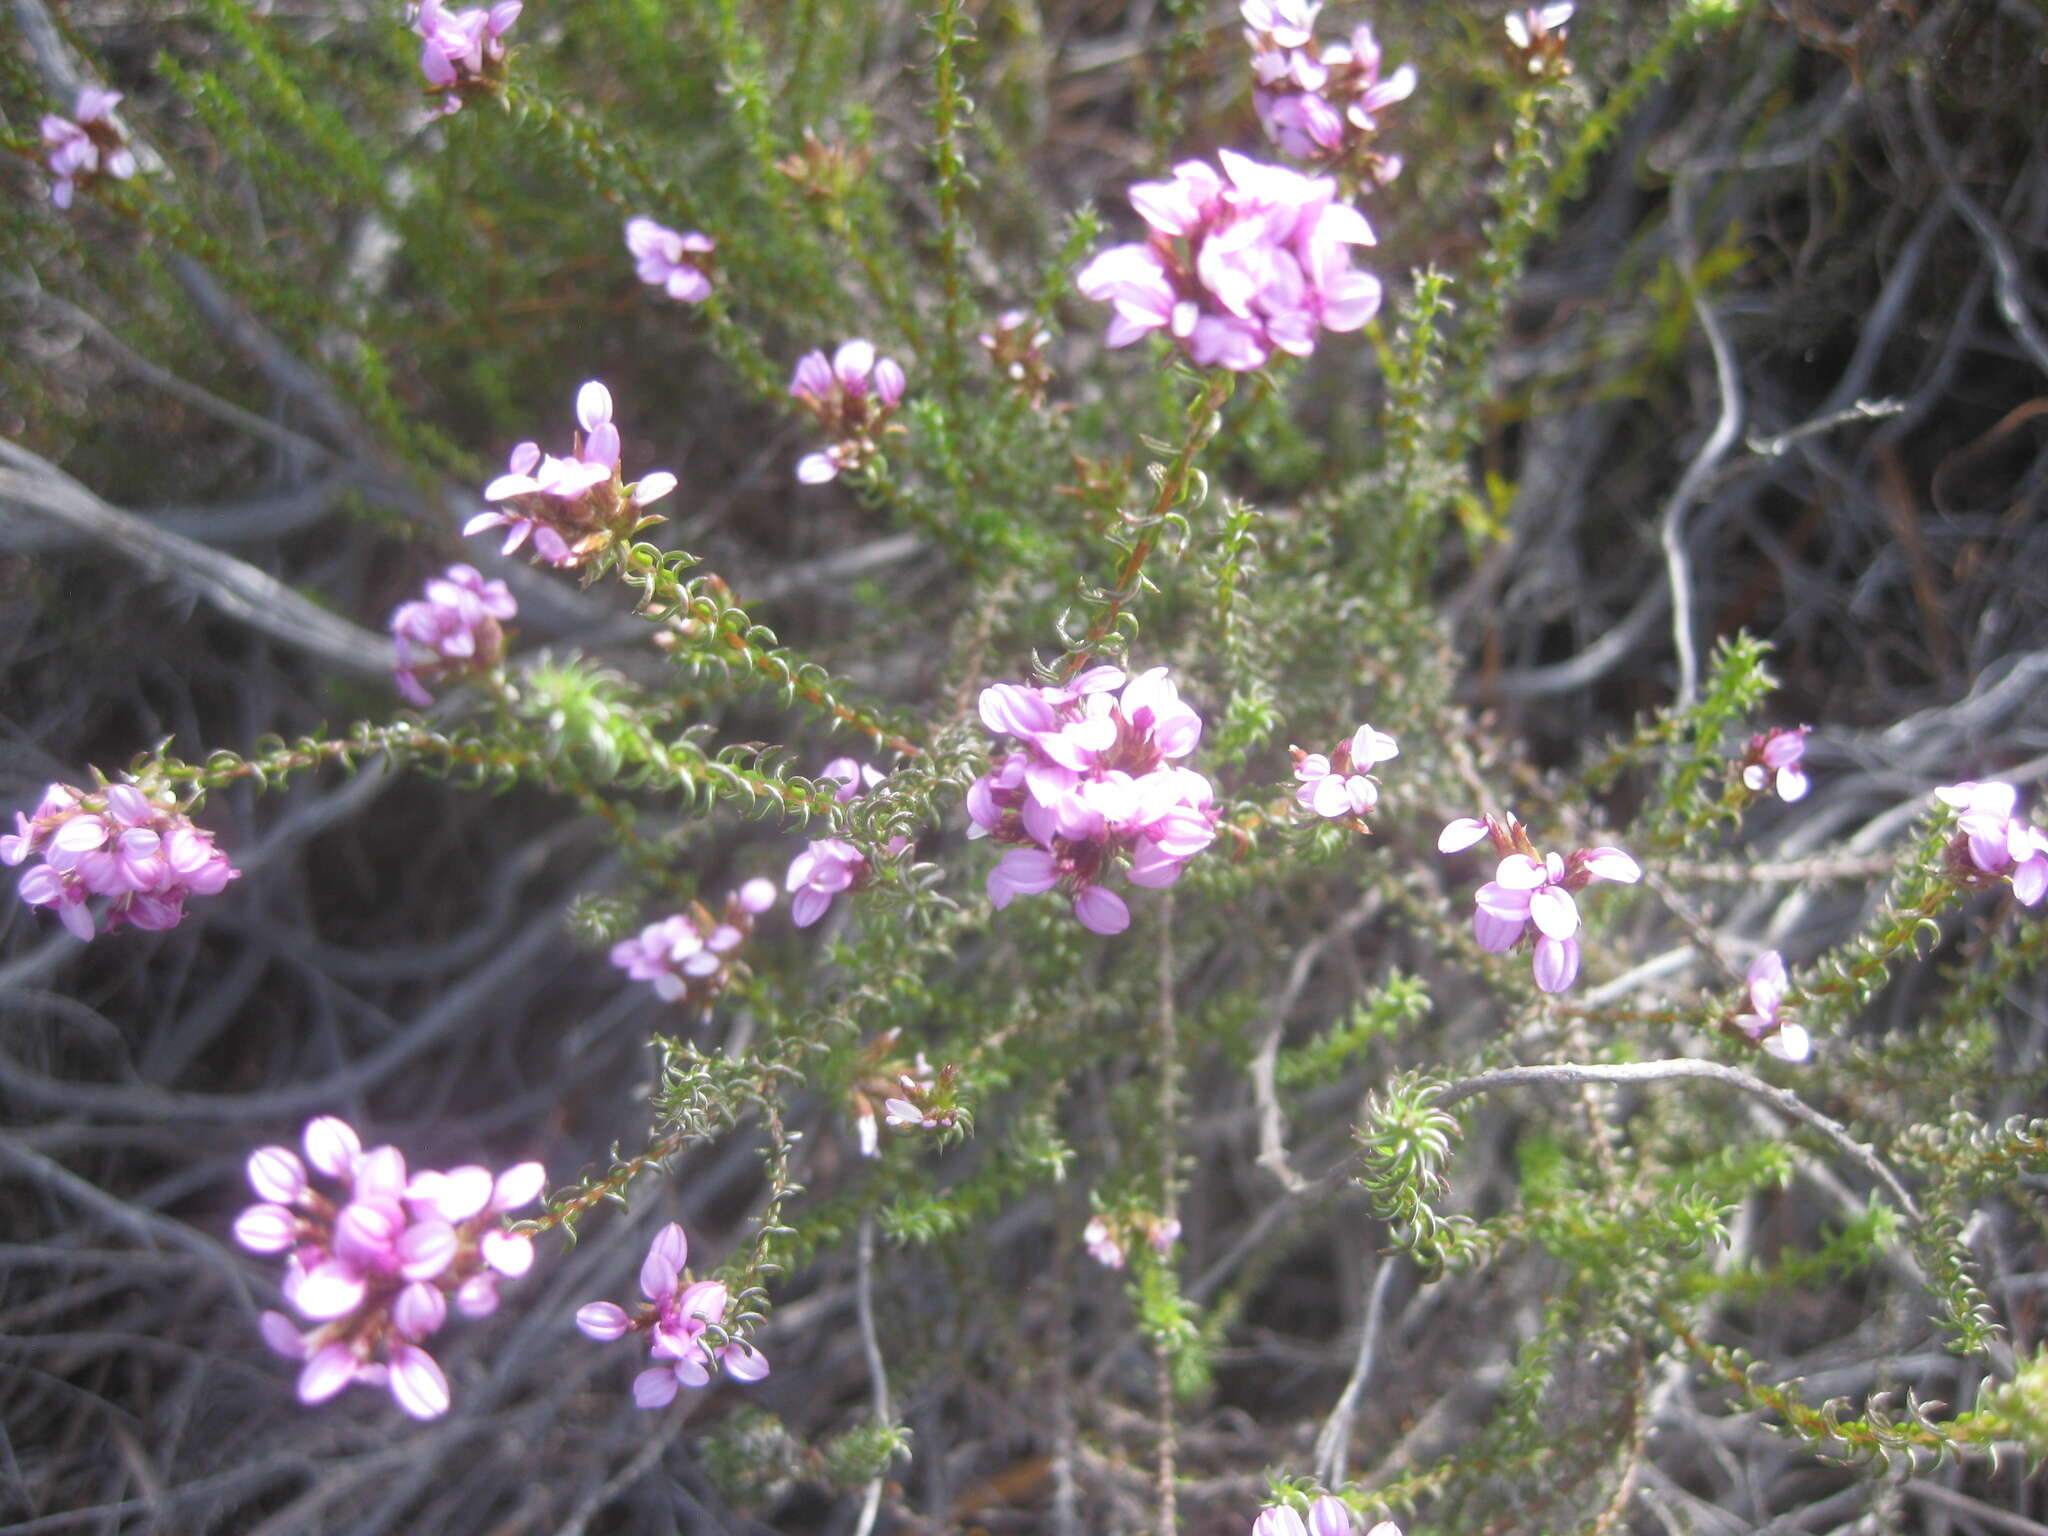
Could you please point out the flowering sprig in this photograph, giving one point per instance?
(1016, 345)
(462, 53)
(1532, 892)
(678, 1319)
(1322, 102)
(675, 261)
(455, 629)
(1238, 265)
(1772, 761)
(1993, 844)
(373, 1262)
(1340, 786)
(1536, 39)
(1097, 778)
(690, 956)
(578, 506)
(118, 841)
(1108, 1237)
(86, 145)
(852, 396)
(1762, 1020)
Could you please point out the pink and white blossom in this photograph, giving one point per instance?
(372, 1259)
(1340, 785)
(1096, 781)
(1530, 898)
(1321, 102)
(852, 396)
(454, 629)
(1239, 264)
(675, 261)
(689, 957)
(576, 506)
(116, 841)
(1762, 1021)
(1992, 842)
(86, 145)
(1327, 1516)
(1536, 38)
(461, 52)
(1772, 761)
(679, 1320)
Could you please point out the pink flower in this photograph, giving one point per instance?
(1239, 264)
(1763, 1024)
(852, 396)
(461, 51)
(827, 866)
(1096, 778)
(1532, 892)
(372, 1261)
(689, 957)
(1102, 1244)
(1772, 758)
(1536, 38)
(574, 507)
(1327, 1516)
(679, 1321)
(1991, 844)
(1321, 102)
(1340, 786)
(672, 260)
(90, 145)
(115, 841)
(453, 630)
(1016, 345)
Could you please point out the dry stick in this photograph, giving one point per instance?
(234, 587)
(871, 1349)
(1677, 561)
(1333, 1440)
(1684, 1066)
(1265, 1060)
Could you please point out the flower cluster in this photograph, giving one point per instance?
(1108, 1238)
(1341, 786)
(674, 260)
(1536, 39)
(690, 956)
(1992, 843)
(1097, 777)
(1533, 891)
(1762, 1021)
(679, 1319)
(1321, 102)
(853, 396)
(461, 51)
(86, 145)
(452, 630)
(573, 507)
(1238, 265)
(1016, 346)
(373, 1265)
(142, 854)
(1326, 1517)
(1772, 760)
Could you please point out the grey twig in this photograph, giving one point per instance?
(37, 488)
(1685, 1066)
(1333, 1440)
